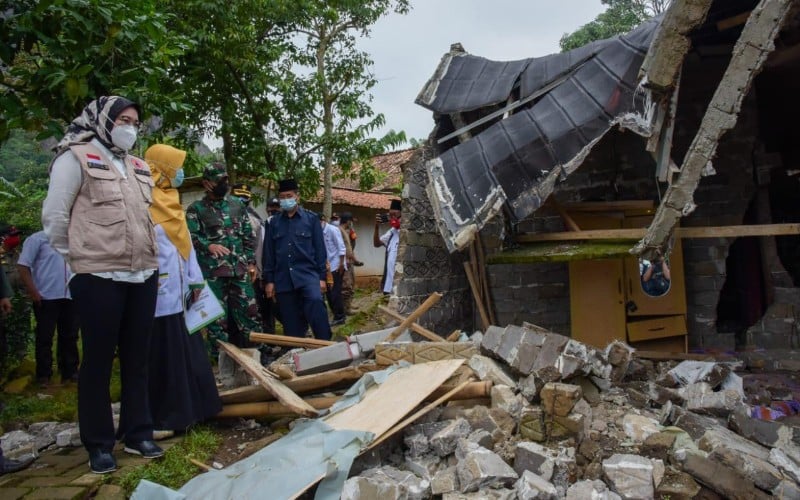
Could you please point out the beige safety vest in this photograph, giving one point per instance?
(110, 228)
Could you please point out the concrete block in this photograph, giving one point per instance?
(367, 341)
(488, 369)
(596, 490)
(385, 482)
(540, 460)
(425, 466)
(444, 481)
(69, 438)
(444, 442)
(630, 475)
(785, 464)
(479, 468)
(533, 487)
(701, 399)
(531, 424)
(677, 484)
(638, 427)
(559, 399)
(503, 397)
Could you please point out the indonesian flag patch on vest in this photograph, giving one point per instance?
(94, 161)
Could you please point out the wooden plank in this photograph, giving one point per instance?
(733, 21)
(285, 340)
(609, 206)
(476, 295)
(487, 295)
(419, 311)
(678, 356)
(402, 425)
(386, 404)
(454, 336)
(415, 327)
(271, 384)
(683, 232)
(562, 251)
(300, 385)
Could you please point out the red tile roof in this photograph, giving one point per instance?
(346, 191)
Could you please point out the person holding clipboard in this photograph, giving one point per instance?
(182, 386)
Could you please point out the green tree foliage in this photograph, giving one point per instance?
(23, 181)
(55, 55)
(326, 119)
(619, 17)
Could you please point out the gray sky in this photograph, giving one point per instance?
(407, 49)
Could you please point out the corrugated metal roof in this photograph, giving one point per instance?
(516, 161)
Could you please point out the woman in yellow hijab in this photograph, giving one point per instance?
(182, 386)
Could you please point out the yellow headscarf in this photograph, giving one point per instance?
(166, 209)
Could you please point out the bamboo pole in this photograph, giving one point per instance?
(474, 287)
(284, 340)
(414, 326)
(419, 311)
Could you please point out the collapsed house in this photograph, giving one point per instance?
(551, 177)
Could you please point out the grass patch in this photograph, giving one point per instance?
(175, 469)
(27, 409)
(355, 323)
(57, 403)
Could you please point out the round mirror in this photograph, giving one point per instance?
(655, 276)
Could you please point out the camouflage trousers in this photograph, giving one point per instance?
(241, 313)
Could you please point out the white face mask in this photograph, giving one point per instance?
(123, 136)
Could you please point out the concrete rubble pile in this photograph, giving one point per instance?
(565, 420)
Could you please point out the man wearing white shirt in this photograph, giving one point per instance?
(336, 251)
(46, 276)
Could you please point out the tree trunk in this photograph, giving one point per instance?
(327, 123)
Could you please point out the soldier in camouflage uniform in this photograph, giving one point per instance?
(223, 239)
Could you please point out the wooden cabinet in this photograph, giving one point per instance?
(608, 302)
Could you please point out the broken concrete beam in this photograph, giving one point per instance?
(785, 464)
(741, 454)
(695, 425)
(630, 475)
(596, 490)
(726, 481)
(488, 369)
(770, 434)
(533, 487)
(423, 352)
(480, 468)
(319, 360)
(559, 399)
(342, 353)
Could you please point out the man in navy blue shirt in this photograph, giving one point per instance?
(294, 266)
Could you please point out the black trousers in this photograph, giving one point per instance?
(52, 315)
(114, 316)
(334, 295)
(266, 307)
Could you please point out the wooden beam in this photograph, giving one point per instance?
(271, 384)
(287, 341)
(733, 21)
(682, 232)
(300, 385)
(487, 293)
(568, 221)
(609, 206)
(273, 408)
(476, 295)
(750, 53)
(415, 327)
(419, 311)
